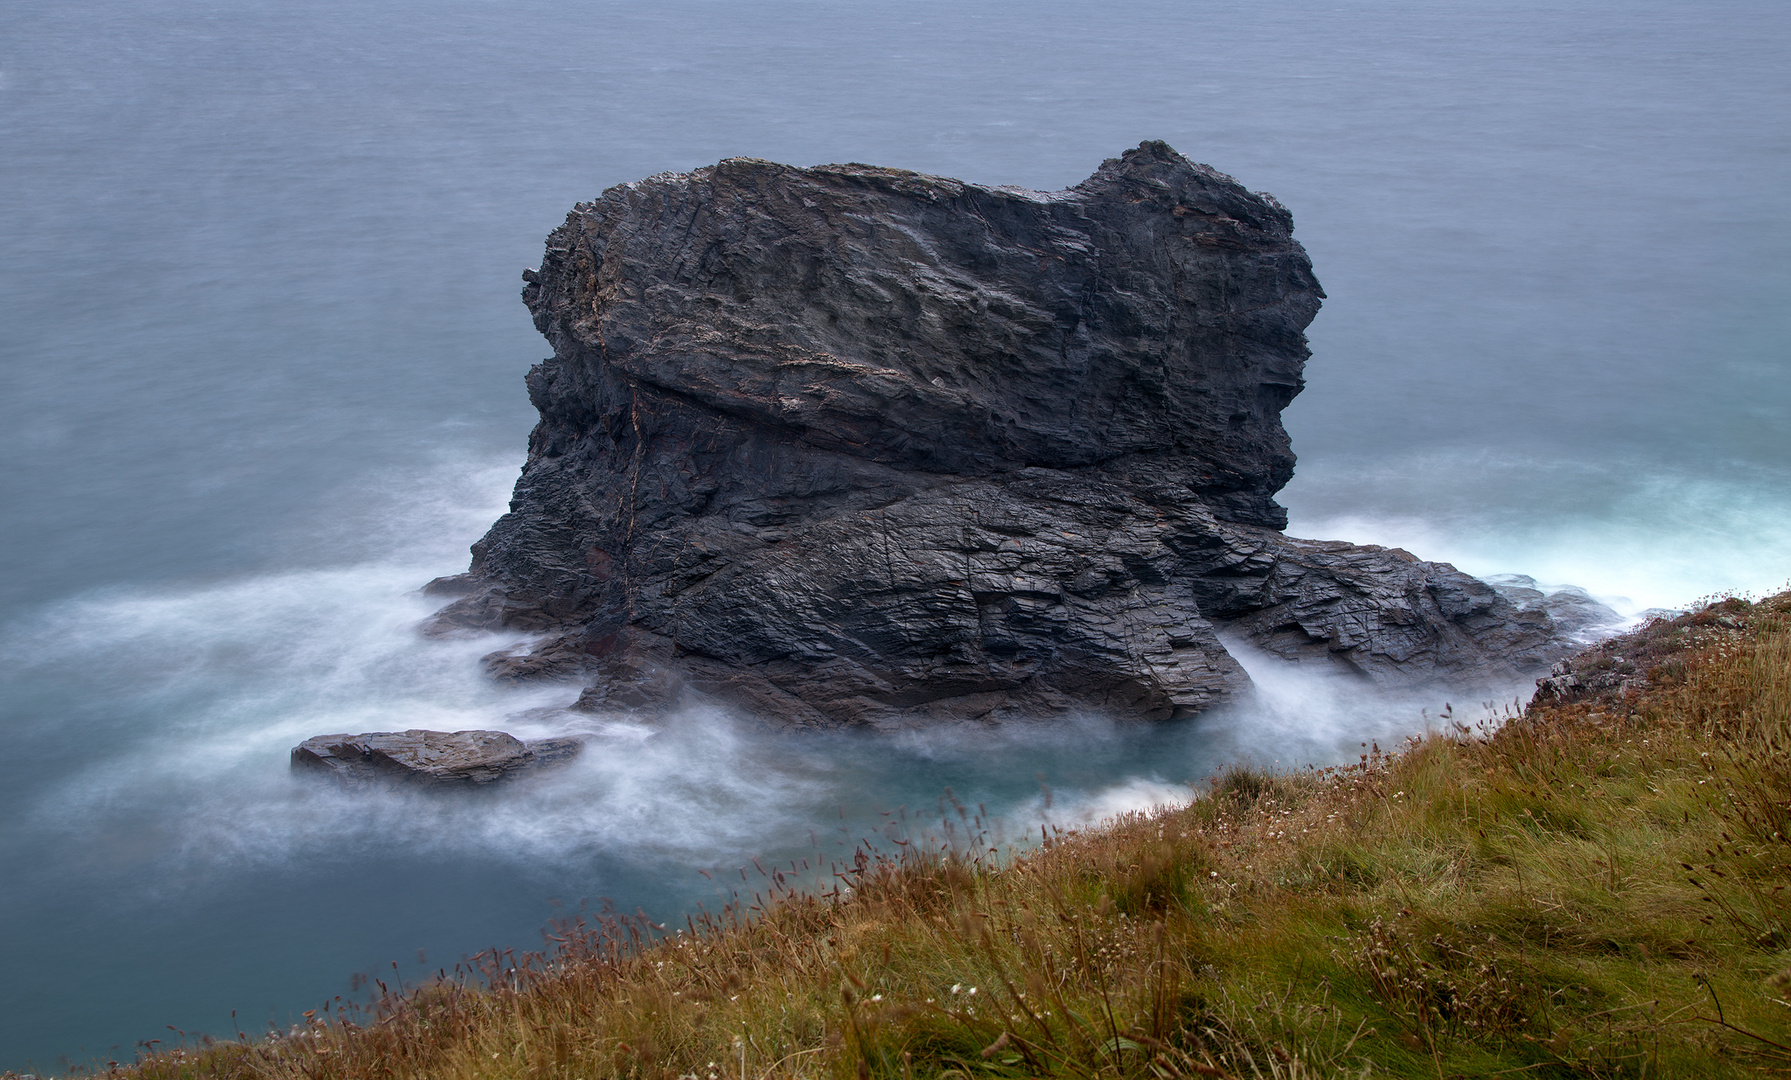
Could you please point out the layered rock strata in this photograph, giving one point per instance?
(852, 444)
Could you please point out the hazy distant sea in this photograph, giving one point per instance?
(260, 376)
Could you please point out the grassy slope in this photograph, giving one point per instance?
(1595, 889)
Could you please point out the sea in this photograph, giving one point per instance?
(261, 359)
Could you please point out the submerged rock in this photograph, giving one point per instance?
(850, 444)
(429, 758)
(1572, 609)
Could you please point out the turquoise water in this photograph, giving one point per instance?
(260, 375)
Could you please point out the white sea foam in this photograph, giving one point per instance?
(219, 682)
(195, 694)
(1634, 538)
(1134, 794)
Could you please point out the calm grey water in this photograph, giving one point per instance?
(261, 353)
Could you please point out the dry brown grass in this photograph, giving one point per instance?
(1594, 889)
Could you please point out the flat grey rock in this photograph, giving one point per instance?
(851, 444)
(429, 758)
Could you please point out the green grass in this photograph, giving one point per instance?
(1597, 888)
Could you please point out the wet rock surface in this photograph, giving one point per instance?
(429, 758)
(852, 444)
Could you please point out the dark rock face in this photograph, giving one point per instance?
(849, 444)
(429, 758)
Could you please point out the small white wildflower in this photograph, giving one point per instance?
(876, 997)
(955, 987)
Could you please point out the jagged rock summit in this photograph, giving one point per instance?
(851, 444)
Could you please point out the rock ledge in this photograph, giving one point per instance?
(429, 758)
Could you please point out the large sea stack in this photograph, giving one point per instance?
(853, 444)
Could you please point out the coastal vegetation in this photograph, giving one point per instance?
(1597, 887)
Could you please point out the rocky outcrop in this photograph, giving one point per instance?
(1619, 670)
(851, 444)
(429, 758)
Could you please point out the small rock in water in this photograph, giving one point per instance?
(429, 758)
